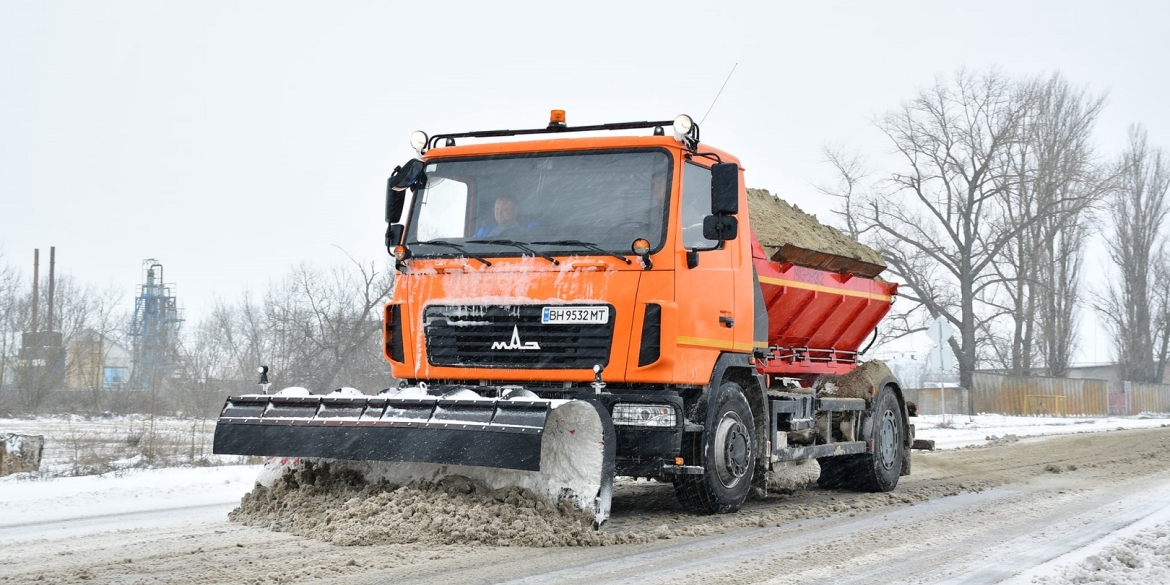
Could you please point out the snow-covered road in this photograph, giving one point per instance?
(1043, 509)
(72, 506)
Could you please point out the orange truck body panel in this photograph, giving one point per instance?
(806, 307)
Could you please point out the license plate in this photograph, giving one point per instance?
(574, 315)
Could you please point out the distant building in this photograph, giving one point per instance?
(1094, 372)
(96, 361)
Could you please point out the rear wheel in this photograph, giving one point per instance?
(728, 455)
(877, 471)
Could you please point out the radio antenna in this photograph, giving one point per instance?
(718, 94)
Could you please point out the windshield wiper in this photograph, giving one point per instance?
(586, 245)
(520, 245)
(452, 246)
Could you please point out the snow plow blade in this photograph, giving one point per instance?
(561, 448)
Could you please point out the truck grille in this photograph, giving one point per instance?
(512, 336)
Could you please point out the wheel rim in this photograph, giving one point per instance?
(733, 449)
(888, 438)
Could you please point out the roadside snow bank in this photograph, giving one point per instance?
(1144, 558)
(26, 501)
(952, 431)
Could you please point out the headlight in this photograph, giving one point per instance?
(644, 415)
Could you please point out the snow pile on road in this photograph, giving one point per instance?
(341, 508)
(1143, 558)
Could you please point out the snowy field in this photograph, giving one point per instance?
(93, 445)
(56, 505)
(950, 431)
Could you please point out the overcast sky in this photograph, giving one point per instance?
(232, 140)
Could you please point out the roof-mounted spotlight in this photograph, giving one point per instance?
(682, 126)
(418, 141)
(686, 131)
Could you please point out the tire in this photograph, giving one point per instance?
(877, 471)
(728, 454)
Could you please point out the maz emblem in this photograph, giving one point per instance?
(515, 343)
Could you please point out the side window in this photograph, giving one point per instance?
(443, 210)
(696, 204)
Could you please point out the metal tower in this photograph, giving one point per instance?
(155, 329)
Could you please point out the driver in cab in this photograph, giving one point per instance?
(507, 214)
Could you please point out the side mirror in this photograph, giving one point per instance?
(395, 200)
(394, 234)
(720, 227)
(725, 189)
(407, 176)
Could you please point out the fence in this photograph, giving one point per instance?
(937, 400)
(1034, 396)
(1152, 398)
(1029, 396)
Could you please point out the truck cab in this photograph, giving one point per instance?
(579, 253)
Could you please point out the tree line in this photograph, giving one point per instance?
(316, 327)
(983, 213)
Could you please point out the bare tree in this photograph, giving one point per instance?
(327, 322)
(1056, 182)
(940, 224)
(1138, 209)
(1160, 299)
(315, 328)
(10, 285)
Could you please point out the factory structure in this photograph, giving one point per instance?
(154, 330)
(40, 362)
(93, 359)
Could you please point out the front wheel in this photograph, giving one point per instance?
(728, 454)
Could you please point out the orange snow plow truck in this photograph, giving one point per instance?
(576, 307)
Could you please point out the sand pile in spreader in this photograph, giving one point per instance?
(776, 222)
(341, 508)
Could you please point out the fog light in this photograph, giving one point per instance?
(641, 247)
(644, 415)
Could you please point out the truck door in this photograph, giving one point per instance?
(706, 293)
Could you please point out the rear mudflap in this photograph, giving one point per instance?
(563, 449)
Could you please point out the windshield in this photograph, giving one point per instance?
(574, 203)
